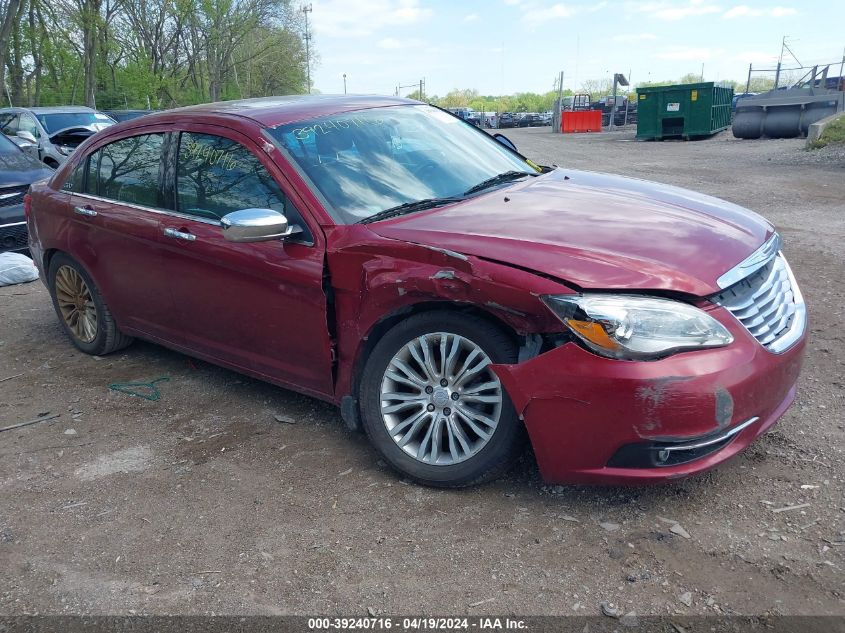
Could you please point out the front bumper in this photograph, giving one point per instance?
(582, 411)
(13, 233)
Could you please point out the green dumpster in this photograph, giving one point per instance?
(683, 111)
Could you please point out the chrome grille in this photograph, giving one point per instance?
(10, 196)
(769, 304)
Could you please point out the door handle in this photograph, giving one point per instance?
(85, 211)
(179, 235)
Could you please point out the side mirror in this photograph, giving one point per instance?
(256, 225)
(504, 140)
(29, 137)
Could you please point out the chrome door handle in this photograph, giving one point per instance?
(84, 211)
(179, 235)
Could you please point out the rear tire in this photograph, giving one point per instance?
(446, 423)
(81, 309)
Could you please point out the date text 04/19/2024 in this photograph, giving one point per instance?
(415, 624)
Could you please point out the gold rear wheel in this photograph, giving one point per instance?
(76, 304)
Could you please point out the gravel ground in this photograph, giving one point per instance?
(202, 502)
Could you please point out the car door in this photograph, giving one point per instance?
(115, 204)
(259, 307)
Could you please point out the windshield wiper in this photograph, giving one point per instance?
(507, 176)
(409, 207)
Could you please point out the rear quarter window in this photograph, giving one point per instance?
(75, 182)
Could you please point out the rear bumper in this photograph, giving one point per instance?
(596, 420)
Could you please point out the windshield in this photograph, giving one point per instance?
(366, 161)
(58, 121)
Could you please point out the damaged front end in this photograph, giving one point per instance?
(599, 405)
(600, 420)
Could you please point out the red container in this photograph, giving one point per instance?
(581, 121)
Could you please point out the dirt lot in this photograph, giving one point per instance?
(201, 502)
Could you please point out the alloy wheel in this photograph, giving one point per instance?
(440, 401)
(76, 304)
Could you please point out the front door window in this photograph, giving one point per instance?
(217, 176)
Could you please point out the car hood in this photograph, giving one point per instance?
(18, 168)
(595, 231)
(73, 136)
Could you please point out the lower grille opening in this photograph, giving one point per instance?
(13, 237)
(660, 454)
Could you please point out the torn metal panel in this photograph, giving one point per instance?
(375, 277)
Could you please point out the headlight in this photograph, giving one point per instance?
(65, 149)
(635, 328)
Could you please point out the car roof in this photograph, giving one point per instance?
(51, 109)
(273, 111)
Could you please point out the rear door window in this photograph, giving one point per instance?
(131, 171)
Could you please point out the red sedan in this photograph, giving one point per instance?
(447, 293)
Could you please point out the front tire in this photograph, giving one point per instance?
(432, 406)
(81, 309)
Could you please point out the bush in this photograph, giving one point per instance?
(833, 133)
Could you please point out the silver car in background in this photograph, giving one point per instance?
(51, 134)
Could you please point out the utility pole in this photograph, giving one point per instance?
(344, 83)
(556, 122)
(784, 46)
(306, 9)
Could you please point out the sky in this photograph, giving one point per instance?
(508, 46)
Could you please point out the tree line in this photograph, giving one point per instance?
(544, 102)
(113, 54)
(519, 102)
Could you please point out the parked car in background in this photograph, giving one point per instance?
(126, 115)
(506, 120)
(51, 134)
(531, 119)
(18, 170)
(446, 292)
(546, 118)
(467, 114)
